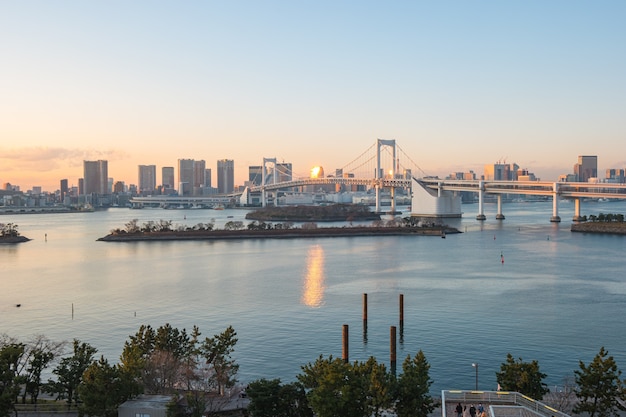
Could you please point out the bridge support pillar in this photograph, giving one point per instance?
(577, 216)
(263, 198)
(481, 199)
(500, 216)
(555, 204)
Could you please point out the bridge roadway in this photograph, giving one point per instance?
(568, 190)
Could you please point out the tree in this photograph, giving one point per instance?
(379, 385)
(10, 356)
(344, 389)
(216, 352)
(103, 388)
(333, 388)
(599, 387)
(69, 372)
(39, 353)
(413, 398)
(270, 398)
(522, 377)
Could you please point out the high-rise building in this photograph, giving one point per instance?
(64, 189)
(615, 175)
(586, 168)
(167, 177)
(207, 177)
(147, 179)
(255, 174)
(96, 177)
(185, 176)
(501, 172)
(284, 172)
(225, 176)
(199, 174)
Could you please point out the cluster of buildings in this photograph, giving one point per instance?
(585, 170)
(192, 178)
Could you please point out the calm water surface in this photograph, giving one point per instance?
(557, 298)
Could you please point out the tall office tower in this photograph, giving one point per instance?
(255, 174)
(225, 176)
(207, 177)
(587, 167)
(96, 177)
(185, 176)
(199, 178)
(147, 179)
(167, 177)
(284, 172)
(498, 172)
(64, 189)
(615, 175)
(81, 186)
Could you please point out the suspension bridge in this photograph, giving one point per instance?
(385, 168)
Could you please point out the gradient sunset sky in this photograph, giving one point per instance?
(458, 84)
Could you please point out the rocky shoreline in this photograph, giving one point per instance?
(612, 228)
(279, 233)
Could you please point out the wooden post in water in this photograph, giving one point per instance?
(364, 317)
(392, 349)
(401, 302)
(344, 351)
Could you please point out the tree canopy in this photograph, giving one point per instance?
(599, 387)
(522, 377)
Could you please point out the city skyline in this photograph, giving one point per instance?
(458, 85)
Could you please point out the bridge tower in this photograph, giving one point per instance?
(379, 175)
(264, 179)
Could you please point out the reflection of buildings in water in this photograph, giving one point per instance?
(313, 291)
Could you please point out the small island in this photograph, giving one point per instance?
(10, 234)
(613, 224)
(164, 230)
(329, 213)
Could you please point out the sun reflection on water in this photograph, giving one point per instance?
(313, 289)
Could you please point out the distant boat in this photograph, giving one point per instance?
(218, 207)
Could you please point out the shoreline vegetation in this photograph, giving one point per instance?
(164, 230)
(610, 223)
(347, 231)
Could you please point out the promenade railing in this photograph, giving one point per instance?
(498, 400)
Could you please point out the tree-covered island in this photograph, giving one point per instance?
(165, 230)
(10, 234)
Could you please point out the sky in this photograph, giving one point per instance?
(458, 84)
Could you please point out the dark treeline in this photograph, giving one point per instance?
(200, 376)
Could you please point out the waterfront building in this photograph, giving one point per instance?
(255, 174)
(586, 168)
(225, 176)
(501, 172)
(63, 190)
(199, 177)
(185, 176)
(207, 178)
(615, 175)
(167, 177)
(96, 177)
(284, 171)
(147, 179)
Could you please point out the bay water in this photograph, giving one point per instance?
(523, 286)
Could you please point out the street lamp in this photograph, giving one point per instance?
(475, 365)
